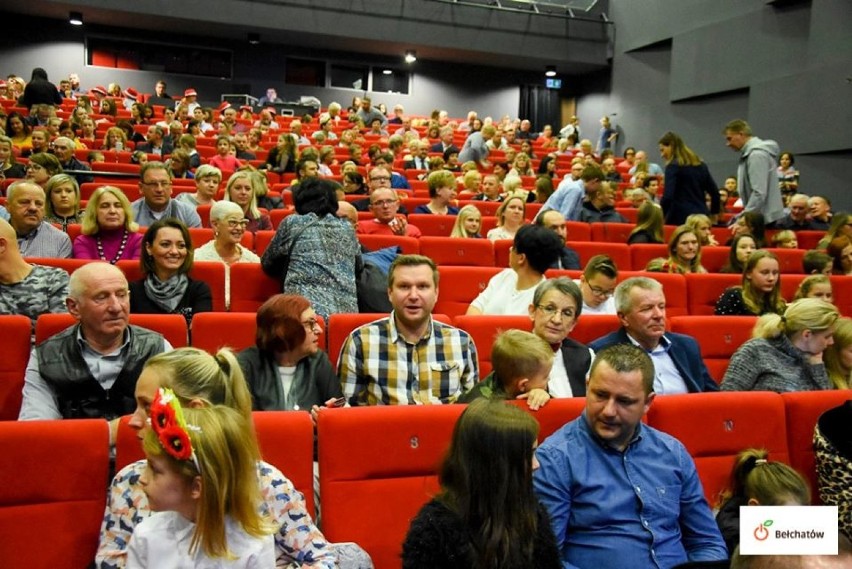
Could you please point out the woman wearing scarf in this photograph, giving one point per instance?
(166, 260)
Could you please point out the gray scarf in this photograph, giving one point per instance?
(166, 294)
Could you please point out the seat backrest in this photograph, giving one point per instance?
(715, 427)
(67, 265)
(171, 326)
(213, 330)
(212, 273)
(386, 455)
(408, 245)
(790, 260)
(803, 409)
(611, 232)
(253, 287)
(459, 286)
(702, 291)
(641, 253)
(262, 239)
(841, 287)
(17, 331)
(53, 474)
(718, 336)
(674, 287)
(714, 258)
(484, 328)
(618, 252)
(433, 225)
(447, 251)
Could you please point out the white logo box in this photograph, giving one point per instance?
(788, 530)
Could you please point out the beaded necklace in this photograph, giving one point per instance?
(115, 259)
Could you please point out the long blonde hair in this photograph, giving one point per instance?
(650, 219)
(804, 314)
(840, 376)
(90, 218)
(464, 214)
(501, 211)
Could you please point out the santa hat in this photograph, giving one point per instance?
(131, 93)
(246, 108)
(100, 90)
(224, 105)
(3, 84)
(190, 93)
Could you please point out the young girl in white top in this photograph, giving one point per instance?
(201, 481)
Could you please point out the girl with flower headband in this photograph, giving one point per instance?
(758, 481)
(200, 379)
(201, 481)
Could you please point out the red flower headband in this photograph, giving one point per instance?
(166, 418)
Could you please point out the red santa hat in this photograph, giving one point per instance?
(190, 93)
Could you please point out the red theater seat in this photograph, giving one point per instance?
(641, 253)
(433, 225)
(449, 251)
(171, 326)
(253, 287)
(16, 353)
(408, 245)
(703, 291)
(213, 330)
(718, 336)
(458, 287)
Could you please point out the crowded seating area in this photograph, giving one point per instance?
(313, 251)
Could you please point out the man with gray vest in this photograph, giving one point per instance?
(90, 370)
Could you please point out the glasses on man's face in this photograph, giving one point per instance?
(311, 324)
(598, 291)
(380, 179)
(550, 311)
(158, 184)
(383, 203)
(234, 223)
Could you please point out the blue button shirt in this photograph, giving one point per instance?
(567, 199)
(643, 507)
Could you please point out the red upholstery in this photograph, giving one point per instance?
(842, 288)
(641, 253)
(790, 260)
(252, 287)
(381, 461)
(555, 414)
(449, 251)
(341, 325)
(262, 239)
(611, 232)
(13, 364)
(276, 216)
(618, 252)
(718, 336)
(803, 409)
(459, 286)
(68, 265)
(204, 213)
(715, 427)
(674, 287)
(212, 330)
(809, 239)
(484, 328)
(433, 225)
(578, 230)
(590, 327)
(714, 258)
(171, 326)
(408, 245)
(53, 474)
(128, 446)
(703, 291)
(213, 273)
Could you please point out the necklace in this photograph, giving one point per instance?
(115, 259)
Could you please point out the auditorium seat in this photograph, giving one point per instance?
(262, 239)
(641, 253)
(704, 290)
(448, 251)
(714, 258)
(555, 414)
(718, 336)
(458, 286)
(201, 235)
(213, 330)
(610, 232)
(841, 286)
(618, 252)
(276, 216)
(254, 288)
(53, 478)
(17, 331)
(715, 427)
(408, 245)
(484, 328)
(433, 225)
(171, 326)
(790, 260)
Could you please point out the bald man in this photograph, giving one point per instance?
(90, 369)
(29, 290)
(347, 211)
(36, 238)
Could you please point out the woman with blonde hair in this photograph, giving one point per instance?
(760, 292)
(838, 356)
(786, 351)
(468, 223)
(684, 253)
(649, 225)
(815, 286)
(510, 217)
(114, 139)
(63, 201)
(242, 190)
(522, 166)
(841, 226)
(108, 231)
(702, 225)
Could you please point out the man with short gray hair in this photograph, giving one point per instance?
(36, 238)
(63, 149)
(641, 307)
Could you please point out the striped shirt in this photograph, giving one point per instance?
(379, 367)
(45, 241)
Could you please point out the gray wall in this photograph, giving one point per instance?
(691, 66)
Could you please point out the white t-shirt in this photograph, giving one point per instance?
(501, 296)
(558, 384)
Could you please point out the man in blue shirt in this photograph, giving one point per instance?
(620, 493)
(569, 196)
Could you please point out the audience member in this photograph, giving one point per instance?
(375, 366)
(785, 352)
(569, 196)
(41, 167)
(511, 290)
(833, 460)
(207, 180)
(820, 212)
(840, 250)
(597, 284)
(588, 492)
(520, 368)
(314, 253)
(815, 286)
(797, 219)
(166, 288)
(485, 486)
(785, 239)
(601, 206)
(63, 149)
(554, 311)
(36, 236)
(567, 258)
(62, 206)
(108, 232)
(90, 370)
(687, 182)
(468, 223)
(474, 147)
(742, 248)
(510, 218)
(837, 356)
(368, 113)
(641, 306)
(156, 202)
(384, 205)
(9, 166)
(684, 254)
(442, 193)
(702, 227)
(760, 292)
(841, 225)
(156, 142)
(757, 178)
(816, 261)
(242, 189)
(649, 225)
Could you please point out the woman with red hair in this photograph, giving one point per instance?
(286, 370)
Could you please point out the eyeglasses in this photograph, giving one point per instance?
(234, 223)
(550, 311)
(383, 203)
(159, 184)
(311, 324)
(598, 291)
(380, 179)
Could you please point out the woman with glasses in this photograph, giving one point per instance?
(41, 167)
(166, 259)
(229, 226)
(597, 284)
(285, 369)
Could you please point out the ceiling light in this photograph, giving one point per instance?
(254, 39)
(410, 56)
(550, 71)
(387, 72)
(75, 18)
